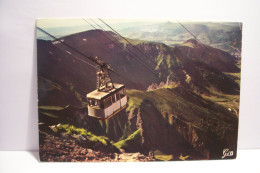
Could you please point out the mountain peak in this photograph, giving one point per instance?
(94, 33)
(193, 41)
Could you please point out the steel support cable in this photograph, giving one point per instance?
(60, 49)
(69, 46)
(130, 52)
(198, 39)
(188, 31)
(214, 55)
(96, 67)
(193, 35)
(128, 42)
(118, 44)
(64, 50)
(127, 80)
(62, 84)
(68, 70)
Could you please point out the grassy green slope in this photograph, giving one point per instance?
(175, 100)
(134, 139)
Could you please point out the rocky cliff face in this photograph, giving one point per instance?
(171, 137)
(174, 135)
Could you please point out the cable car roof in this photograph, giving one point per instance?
(102, 94)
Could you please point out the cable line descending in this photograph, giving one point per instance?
(60, 40)
(93, 59)
(109, 98)
(127, 41)
(193, 36)
(71, 54)
(189, 32)
(118, 44)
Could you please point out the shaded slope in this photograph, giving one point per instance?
(218, 59)
(197, 124)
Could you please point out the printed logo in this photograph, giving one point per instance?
(226, 153)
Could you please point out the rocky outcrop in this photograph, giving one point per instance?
(158, 134)
(66, 149)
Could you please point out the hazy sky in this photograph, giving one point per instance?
(60, 27)
(56, 26)
(67, 22)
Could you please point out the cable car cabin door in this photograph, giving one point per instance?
(117, 104)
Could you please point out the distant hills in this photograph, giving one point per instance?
(226, 36)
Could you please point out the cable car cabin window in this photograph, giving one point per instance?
(117, 96)
(94, 103)
(122, 93)
(91, 102)
(107, 102)
(113, 98)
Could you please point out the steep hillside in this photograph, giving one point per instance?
(206, 68)
(220, 60)
(168, 112)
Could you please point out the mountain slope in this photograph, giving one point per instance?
(192, 64)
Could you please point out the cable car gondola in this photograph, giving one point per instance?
(105, 104)
(109, 98)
